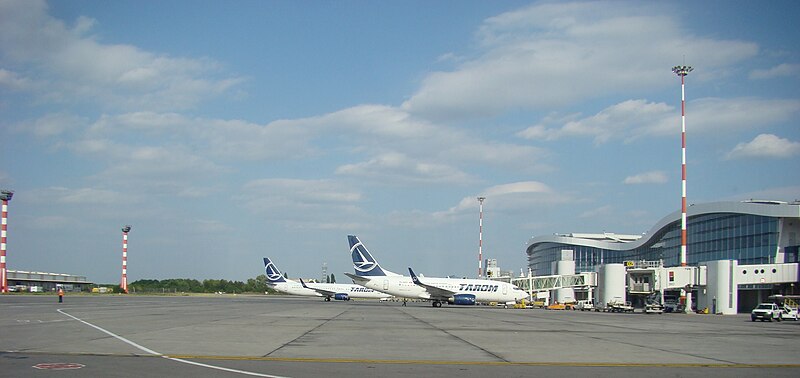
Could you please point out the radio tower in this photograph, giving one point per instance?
(124, 282)
(682, 71)
(480, 239)
(5, 196)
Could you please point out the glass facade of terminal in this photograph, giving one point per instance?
(751, 239)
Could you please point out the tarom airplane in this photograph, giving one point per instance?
(459, 291)
(341, 292)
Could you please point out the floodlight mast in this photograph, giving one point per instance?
(480, 238)
(5, 196)
(124, 281)
(682, 71)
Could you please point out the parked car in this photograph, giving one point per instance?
(584, 305)
(766, 311)
(788, 313)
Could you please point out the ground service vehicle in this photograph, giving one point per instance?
(788, 313)
(766, 311)
(584, 305)
(617, 305)
(653, 308)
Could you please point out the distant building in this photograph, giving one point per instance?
(755, 234)
(19, 280)
(752, 232)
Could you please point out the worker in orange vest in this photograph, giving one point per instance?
(60, 295)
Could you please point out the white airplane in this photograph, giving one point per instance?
(459, 291)
(339, 292)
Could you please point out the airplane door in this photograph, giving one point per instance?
(505, 289)
(385, 284)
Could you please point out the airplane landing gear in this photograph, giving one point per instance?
(436, 304)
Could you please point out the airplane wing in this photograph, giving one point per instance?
(433, 291)
(326, 293)
(357, 279)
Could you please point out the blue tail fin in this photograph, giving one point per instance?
(414, 277)
(273, 274)
(363, 262)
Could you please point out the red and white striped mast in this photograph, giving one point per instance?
(480, 239)
(5, 196)
(682, 71)
(124, 282)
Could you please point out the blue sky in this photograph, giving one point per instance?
(225, 132)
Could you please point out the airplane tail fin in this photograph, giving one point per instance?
(273, 274)
(363, 262)
(414, 277)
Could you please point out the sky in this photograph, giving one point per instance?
(224, 132)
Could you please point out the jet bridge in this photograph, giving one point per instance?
(538, 284)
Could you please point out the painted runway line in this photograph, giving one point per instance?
(176, 359)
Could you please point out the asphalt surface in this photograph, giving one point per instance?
(228, 336)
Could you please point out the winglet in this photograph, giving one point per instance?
(303, 283)
(414, 276)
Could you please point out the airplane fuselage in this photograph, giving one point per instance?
(483, 290)
(352, 291)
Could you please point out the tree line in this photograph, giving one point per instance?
(187, 285)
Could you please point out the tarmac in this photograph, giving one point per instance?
(283, 336)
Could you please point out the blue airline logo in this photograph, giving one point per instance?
(272, 272)
(363, 262)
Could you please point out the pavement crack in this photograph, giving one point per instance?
(305, 333)
(484, 350)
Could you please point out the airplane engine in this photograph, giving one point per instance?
(341, 297)
(464, 299)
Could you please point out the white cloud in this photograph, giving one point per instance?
(517, 196)
(652, 177)
(633, 119)
(52, 125)
(77, 196)
(765, 146)
(613, 122)
(266, 194)
(739, 113)
(13, 80)
(74, 67)
(398, 168)
(552, 54)
(781, 70)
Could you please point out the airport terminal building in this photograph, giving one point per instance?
(750, 232)
(23, 281)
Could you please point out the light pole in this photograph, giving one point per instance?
(124, 281)
(5, 196)
(480, 238)
(682, 71)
